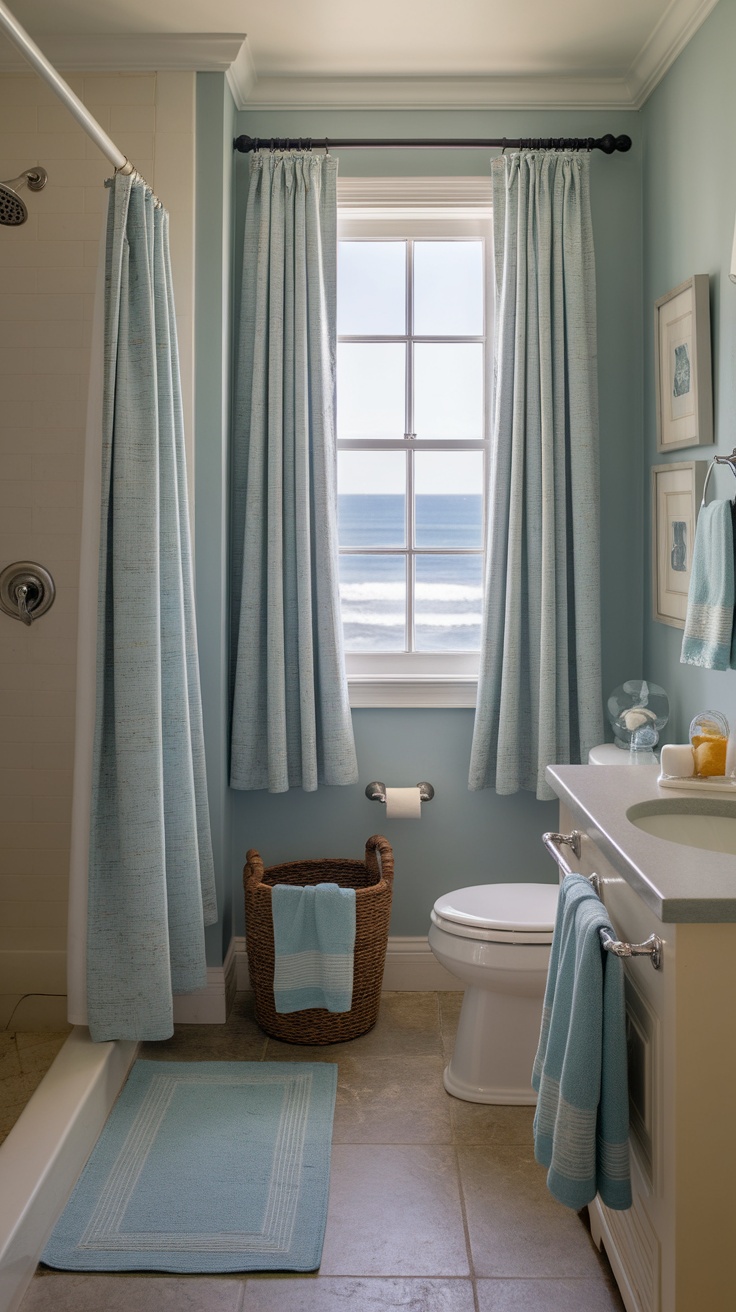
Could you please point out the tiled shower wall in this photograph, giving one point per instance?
(48, 270)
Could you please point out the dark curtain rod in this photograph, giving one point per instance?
(608, 144)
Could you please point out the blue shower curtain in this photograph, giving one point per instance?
(291, 715)
(539, 690)
(151, 881)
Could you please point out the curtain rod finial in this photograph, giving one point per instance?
(609, 144)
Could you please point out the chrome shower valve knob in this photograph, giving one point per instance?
(27, 590)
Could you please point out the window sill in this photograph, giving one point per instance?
(412, 691)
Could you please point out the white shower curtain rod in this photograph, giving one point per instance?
(30, 51)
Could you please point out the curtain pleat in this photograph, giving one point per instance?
(291, 716)
(151, 878)
(539, 690)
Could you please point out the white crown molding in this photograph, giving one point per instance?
(202, 52)
(301, 93)
(242, 77)
(229, 53)
(677, 26)
(675, 29)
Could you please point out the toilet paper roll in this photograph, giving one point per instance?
(677, 761)
(403, 804)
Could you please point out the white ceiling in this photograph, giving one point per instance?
(386, 52)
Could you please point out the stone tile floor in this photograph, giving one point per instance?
(435, 1205)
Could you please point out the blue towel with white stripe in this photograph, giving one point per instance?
(314, 938)
(709, 639)
(581, 1125)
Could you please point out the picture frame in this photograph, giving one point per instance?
(677, 490)
(683, 384)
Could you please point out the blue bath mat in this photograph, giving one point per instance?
(206, 1166)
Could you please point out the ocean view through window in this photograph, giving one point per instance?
(412, 427)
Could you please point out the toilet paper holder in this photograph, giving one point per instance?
(376, 791)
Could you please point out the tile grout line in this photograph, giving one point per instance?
(461, 1190)
(466, 1228)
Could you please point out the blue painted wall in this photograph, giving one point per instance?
(689, 190)
(213, 328)
(463, 837)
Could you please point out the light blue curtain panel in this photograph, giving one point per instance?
(291, 715)
(151, 878)
(539, 691)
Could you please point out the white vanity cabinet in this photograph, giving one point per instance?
(675, 1249)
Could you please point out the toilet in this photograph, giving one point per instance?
(495, 938)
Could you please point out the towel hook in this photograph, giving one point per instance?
(718, 460)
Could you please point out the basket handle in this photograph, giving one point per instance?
(253, 869)
(379, 844)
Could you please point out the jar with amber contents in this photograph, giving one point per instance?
(709, 740)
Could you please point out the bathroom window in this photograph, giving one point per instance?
(412, 427)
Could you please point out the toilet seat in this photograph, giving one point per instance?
(499, 913)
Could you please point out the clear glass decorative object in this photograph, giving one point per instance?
(638, 711)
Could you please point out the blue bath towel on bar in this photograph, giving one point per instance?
(314, 937)
(581, 1125)
(709, 638)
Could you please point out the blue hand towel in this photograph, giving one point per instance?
(709, 638)
(581, 1125)
(314, 937)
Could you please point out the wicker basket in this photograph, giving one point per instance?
(373, 884)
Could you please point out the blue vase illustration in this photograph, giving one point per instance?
(681, 385)
(678, 555)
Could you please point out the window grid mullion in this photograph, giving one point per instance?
(436, 339)
(368, 550)
(408, 435)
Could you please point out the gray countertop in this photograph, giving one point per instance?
(680, 883)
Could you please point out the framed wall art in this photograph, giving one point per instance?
(684, 388)
(677, 490)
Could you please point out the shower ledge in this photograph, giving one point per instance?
(47, 1147)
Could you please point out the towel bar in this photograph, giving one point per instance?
(652, 948)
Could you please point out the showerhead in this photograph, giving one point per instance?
(12, 209)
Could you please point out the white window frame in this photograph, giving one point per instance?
(371, 209)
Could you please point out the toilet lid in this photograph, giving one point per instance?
(527, 908)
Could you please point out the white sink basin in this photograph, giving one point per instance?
(705, 823)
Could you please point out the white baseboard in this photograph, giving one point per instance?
(411, 967)
(209, 1006)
